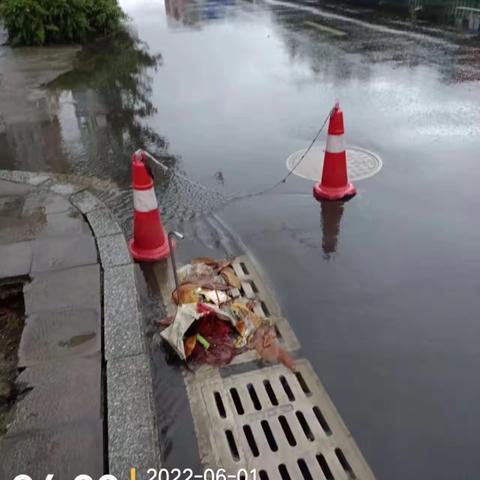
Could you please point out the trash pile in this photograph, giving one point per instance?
(213, 322)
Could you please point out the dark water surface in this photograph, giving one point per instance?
(381, 291)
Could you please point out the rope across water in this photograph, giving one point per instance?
(231, 198)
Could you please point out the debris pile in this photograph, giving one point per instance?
(213, 322)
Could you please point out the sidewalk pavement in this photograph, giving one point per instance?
(83, 366)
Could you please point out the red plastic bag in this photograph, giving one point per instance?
(220, 336)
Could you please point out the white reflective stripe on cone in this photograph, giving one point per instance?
(144, 200)
(335, 143)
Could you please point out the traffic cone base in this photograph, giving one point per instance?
(150, 255)
(321, 192)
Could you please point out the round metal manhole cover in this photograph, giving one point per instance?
(360, 163)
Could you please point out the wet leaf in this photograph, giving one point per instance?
(211, 262)
(166, 321)
(241, 327)
(229, 275)
(189, 345)
(266, 344)
(187, 293)
(223, 264)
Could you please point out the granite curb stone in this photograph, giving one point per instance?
(103, 223)
(129, 415)
(113, 251)
(123, 332)
(85, 201)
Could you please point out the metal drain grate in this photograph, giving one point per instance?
(280, 423)
(254, 288)
(361, 163)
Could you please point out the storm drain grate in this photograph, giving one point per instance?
(361, 163)
(254, 288)
(280, 423)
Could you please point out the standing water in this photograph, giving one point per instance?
(382, 290)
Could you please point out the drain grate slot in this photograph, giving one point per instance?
(303, 383)
(220, 405)
(305, 427)
(265, 309)
(274, 421)
(270, 392)
(325, 468)
(344, 463)
(253, 285)
(237, 401)
(269, 435)
(254, 397)
(263, 475)
(284, 472)
(321, 420)
(305, 471)
(244, 268)
(278, 332)
(287, 388)
(287, 430)
(233, 445)
(251, 440)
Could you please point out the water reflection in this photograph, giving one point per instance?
(104, 100)
(194, 13)
(89, 120)
(331, 216)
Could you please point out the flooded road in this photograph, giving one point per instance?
(382, 290)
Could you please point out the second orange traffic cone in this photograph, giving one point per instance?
(335, 184)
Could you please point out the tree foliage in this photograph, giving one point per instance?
(37, 22)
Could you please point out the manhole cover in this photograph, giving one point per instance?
(360, 163)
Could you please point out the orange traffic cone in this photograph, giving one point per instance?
(149, 241)
(334, 184)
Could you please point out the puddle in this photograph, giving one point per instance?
(77, 340)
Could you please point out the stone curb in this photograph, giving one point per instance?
(132, 436)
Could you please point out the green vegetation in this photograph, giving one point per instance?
(37, 22)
